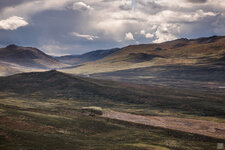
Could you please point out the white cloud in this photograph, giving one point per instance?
(115, 21)
(118, 21)
(81, 6)
(142, 32)
(129, 36)
(164, 37)
(149, 35)
(12, 23)
(166, 32)
(88, 37)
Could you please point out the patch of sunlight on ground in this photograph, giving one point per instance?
(93, 108)
(147, 146)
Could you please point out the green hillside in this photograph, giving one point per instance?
(57, 85)
(46, 111)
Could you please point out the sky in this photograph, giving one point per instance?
(61, 27)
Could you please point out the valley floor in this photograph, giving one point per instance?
(202, 127)
(27, 123)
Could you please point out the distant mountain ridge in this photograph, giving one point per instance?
(15, 59)
(204, 51)
(90, 56)
(28, 57)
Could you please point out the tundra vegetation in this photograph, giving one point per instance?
(54, 110)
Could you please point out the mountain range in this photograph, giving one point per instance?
(185, 63)
(183, 60)
(164, 96)
(209, 50)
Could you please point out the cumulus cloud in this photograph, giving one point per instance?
(146, 35)
(12, 23)
(115, 21)
(129, 36)
(142, 32)
(88, 37)
(149, 35)
(166, 32)
(81, 6)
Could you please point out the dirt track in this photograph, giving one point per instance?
(202, 127)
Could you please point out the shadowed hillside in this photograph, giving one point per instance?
(53, 84)
(28, 57)
(90, 56)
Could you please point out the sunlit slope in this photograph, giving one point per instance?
(203, 51)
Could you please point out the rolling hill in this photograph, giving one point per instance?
(208, 51)
(16, 59)
(54, 110)
(54, 84)
(90, 56)
(182, 62)
(28, 57)
(202, 51)
(185, 63)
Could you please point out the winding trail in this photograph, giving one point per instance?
(202, 127)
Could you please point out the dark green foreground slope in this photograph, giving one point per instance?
(44, 111)
(57, 85)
